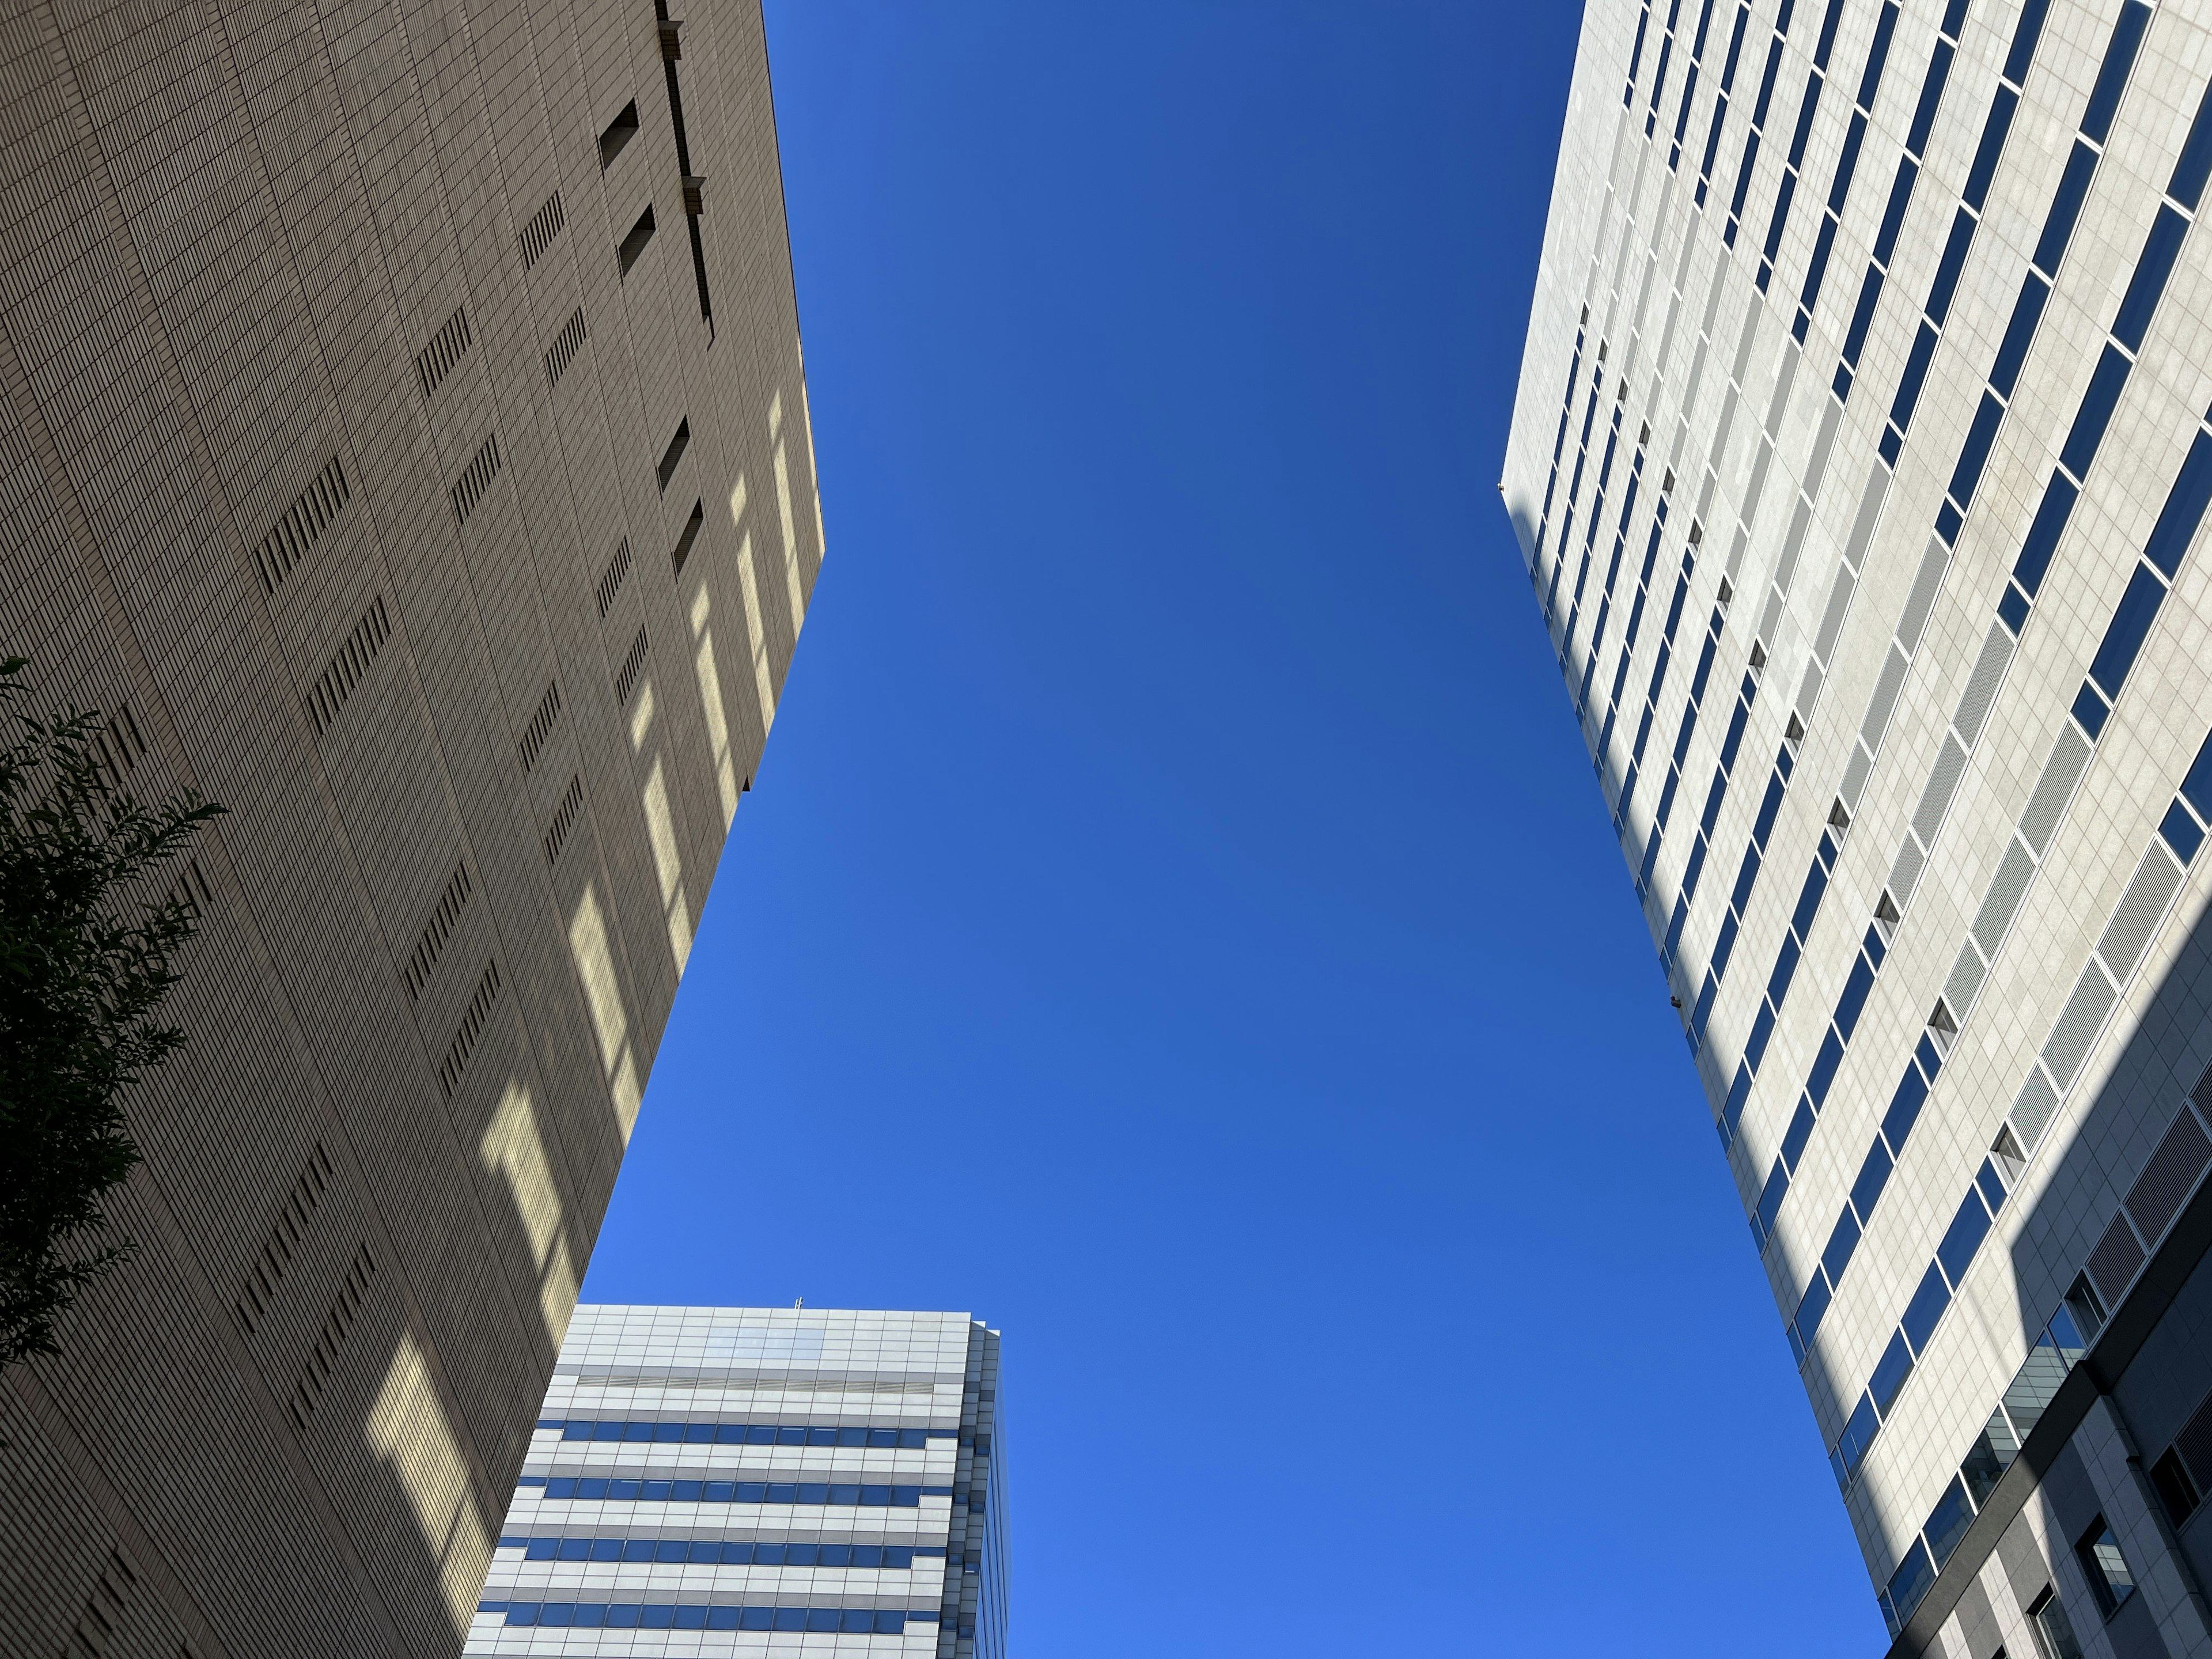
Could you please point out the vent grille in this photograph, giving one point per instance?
(1982, 684)
(633, 665)
(443, 917)
(444, 349)
(463, 1044)
(674, 454)
(2007, 888)
(564, 818)
(690, 535)
(541, 724)
(303, 522)
(2078, 1024)
(610, 580)
(2069, 756)
(545, 225)
(96, 1627)
(2155, 1198)
(118, 746)
(2113, 1263)
(346, 668)
(2195, 1444)
(478, 479)
(258, 1293)
(322, 1359)
(566, 344)
(1943, 783)
(2156, 879)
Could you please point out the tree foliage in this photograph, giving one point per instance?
(88, 950)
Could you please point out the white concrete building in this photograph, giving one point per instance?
(752, 1480)
(1860, 464)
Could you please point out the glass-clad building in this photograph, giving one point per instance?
(1860, 467)
(750, 1480)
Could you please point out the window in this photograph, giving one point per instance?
(619, 132)
(2176, 1489)
(633, 245)
(2054, 1631)
(2086, 1305)
(2104, 1567)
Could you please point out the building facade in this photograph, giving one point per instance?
(1860, 466)
(720, 1481)
(404, 441)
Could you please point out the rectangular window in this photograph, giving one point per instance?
(674, 453)
(2065, 209)
(2155, 265)
(619, 132)
(1858, 1434)
(1910, 1582)
(1811, 1308)
(1863, 317)
(1926, 1308)
(1824, 1067)
(2112, 73)
(1842, 1243)
(1799, 1132)
(2124, 635)
(2176, 1489)
(1947, 1522)
(2054, 1631)
(1873, 1175)
(1848, 1006)
(2104, 1567)
(1770, 1197)
(2042, 541)
(1975, 453)
(1992, 1455)
(1953, 262)
(2096, 411)
(1904, 1108)
(1931, 95)
(633, 245)
(1889, 1374)
(1992, 146)
(1893, 217)
(1915, 376)
(1968, 1228)
(2187, 185)
(2184, 510)
(2020, 333)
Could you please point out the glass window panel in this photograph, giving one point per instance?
(1947, 1522)
(1889, 1374)
(1926, 1308)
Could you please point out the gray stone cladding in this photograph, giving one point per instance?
(1859, 466)
(371, 465)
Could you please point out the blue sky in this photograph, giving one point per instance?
(1175, 919)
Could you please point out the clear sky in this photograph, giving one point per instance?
(1175, 919)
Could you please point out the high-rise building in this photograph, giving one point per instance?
(703, 1479)
(403, 440)
(1860, 466)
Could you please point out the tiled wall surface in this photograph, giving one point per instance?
(1860, 464)
(338, 410)
(784, 1480)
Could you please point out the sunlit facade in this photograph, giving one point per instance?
(404, 443)
(741, 1481)
(1860, 466)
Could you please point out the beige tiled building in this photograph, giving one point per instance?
(404, 440)
(1860, 466)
